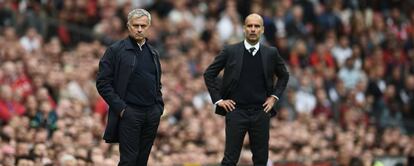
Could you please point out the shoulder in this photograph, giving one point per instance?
(118, 45)
(267, 48)
(235, 46)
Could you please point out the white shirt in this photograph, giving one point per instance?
(140, 45)
(247, 45)
(305, 102)
(341, 54)
(30, 44)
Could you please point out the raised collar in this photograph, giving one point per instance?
(130, 44)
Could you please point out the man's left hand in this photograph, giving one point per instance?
(268, 105)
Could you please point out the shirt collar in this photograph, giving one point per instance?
(140, 46)
(133, 43)
(247, 45)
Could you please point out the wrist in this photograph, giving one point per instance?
(217, 102)
(275, 97)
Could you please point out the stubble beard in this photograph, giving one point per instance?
(252, 40)
(138, 38)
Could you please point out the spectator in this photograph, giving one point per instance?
(323, 105)
(321, 58)
(342, 51)
(32, 41)
(349, 74)
(9, 107)
(228, 26)
(46, 117)
(295, 26)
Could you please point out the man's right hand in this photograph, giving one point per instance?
(228, 105)
(122, 113)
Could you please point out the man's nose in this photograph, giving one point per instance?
(139, 28)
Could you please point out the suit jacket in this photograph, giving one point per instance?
(231, 60)
(115, 68)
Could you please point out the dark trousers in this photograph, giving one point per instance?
(137, 131)
(256, 123)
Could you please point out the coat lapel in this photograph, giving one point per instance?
(239, 59)
(265, 60)
(156, 59)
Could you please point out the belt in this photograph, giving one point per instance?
(249, 107)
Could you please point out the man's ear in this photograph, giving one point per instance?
(263, 29)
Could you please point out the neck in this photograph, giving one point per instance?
(252, 42)
(140, 42)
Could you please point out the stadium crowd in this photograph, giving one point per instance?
(350, 98)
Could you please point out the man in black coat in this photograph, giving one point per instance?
(248, 91)
(129, 80)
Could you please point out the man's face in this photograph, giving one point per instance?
(253, 28)
(138, 27)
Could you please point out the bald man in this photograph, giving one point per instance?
(248, 91)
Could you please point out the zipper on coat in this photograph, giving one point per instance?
(154, 58)
(133, 63)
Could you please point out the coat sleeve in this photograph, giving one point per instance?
(105, 82)
(160, 72)
(282, 75)
(211, 73)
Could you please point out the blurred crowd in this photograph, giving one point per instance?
(350, 98)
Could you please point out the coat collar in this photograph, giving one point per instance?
(130, 45)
